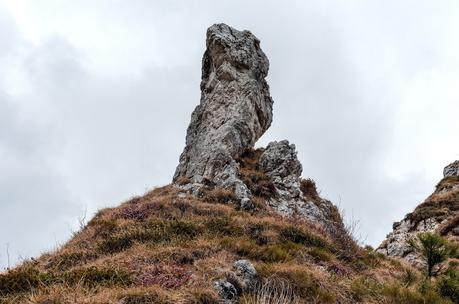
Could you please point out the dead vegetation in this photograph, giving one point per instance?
(165, 248)
(442, 203)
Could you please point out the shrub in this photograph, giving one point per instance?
(309, 189)
(448, 285)
(434, 249)
(257, 181)
(409, 277)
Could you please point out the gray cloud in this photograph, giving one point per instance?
(100, 102)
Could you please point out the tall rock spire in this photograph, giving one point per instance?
(234, 112)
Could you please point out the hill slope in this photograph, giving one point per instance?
(438, 213)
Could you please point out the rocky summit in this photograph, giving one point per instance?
(438, 213)
(238, 224)
(235, 109)
(234, 112)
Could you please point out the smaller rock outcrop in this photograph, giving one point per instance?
(452, 169)
(242, 279)
(438, 213)
(280, 163)
(245, 274)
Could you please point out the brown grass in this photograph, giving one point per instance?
(163, 248)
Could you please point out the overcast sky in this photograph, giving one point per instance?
(95, 98)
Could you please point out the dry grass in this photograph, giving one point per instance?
(442, 203)
(165, 248)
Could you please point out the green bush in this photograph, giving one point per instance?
(448, 285)
(434, 249)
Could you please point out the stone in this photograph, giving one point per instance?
(226, 290)
(280, 163)
(234, 112)
(245, 274)
(452, 169)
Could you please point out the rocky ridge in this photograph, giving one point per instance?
(438, 213)
(234, 112)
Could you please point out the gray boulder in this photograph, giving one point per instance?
(246, 275)
(452, 169)
(280, 162)
(226, 290)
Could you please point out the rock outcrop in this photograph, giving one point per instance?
(438, 213)
(235, 109)
(452, 169)
(280, 162)
(234, 112)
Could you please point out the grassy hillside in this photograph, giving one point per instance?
(169, 248)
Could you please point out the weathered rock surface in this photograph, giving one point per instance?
(226, 290)
(234, 112)
(242, 279)
(452, 169)
(235, 109)
(438, 213)
(245, 274)
(280, 162)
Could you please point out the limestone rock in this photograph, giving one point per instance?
(226, 290)
(438, 213)
(234, 111)
(452, 169)
(245, 274)
(280, 162)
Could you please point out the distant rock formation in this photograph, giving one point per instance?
(235, 109)
(452, 169)
(438, 213)
(234, 112)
